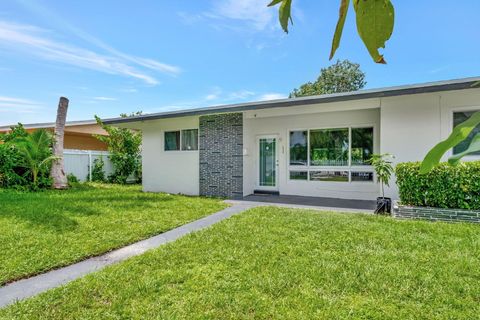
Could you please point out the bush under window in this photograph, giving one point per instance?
(446, 186)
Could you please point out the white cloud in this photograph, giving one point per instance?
(240, 95)
(130, 90)
(18, 105)
(105, 99)
(214, 94)
(272, 96)
(254, 13)
(34, 41)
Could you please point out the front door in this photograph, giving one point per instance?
(267, 163)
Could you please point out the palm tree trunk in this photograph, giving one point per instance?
(58, 172)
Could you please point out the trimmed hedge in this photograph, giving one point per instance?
(446, 186)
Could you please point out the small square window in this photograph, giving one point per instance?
(172, 140)
(190, 139)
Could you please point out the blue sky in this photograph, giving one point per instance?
(110, 57)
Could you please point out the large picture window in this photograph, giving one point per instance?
(185, 140)
(459, 117)
(329, 147)
(331, 155)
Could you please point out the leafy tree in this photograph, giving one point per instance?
(342, 76)
(124, 146)
(15, 132)
(375, 21)
(35, 154)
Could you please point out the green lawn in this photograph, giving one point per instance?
(272, 263)
(45, 230)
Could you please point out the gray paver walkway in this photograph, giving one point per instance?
(26, 288)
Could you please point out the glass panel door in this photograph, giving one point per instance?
(268, 162)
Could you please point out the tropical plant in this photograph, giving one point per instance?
(35, 154)
(382, 164)
(343, 76)
(458, 135)
(124, 147)
(375, 21)
(58, 169)
(98, 173)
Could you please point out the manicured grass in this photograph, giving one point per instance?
(272, 263)
(45, 230)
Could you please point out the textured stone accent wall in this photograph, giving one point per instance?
(221, 155)
(436, 214)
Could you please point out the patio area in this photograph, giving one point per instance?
(315, 202)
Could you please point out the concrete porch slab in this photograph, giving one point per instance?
(321, 203)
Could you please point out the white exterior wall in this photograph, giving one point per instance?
(168, 171)
(280, 121)
(412, 125)
(405, 126)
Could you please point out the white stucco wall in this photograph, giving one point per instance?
(169, 171)
(412, 125)
(281, 121)
(406, 126)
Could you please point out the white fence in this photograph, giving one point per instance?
(80, 163)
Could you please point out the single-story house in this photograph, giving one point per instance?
(309, 146)
(79, 135)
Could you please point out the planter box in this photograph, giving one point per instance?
(435, 214)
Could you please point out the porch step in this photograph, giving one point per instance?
(266, 192)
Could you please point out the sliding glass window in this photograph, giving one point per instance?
(185, 140)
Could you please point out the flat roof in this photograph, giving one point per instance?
(49, 125)
(428, 87)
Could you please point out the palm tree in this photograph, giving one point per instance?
(35, 153)
(57, 171)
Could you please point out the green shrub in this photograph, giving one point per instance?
(124, 147)
(446, 186)
(98, 174)
(72, 179)
(11, 176)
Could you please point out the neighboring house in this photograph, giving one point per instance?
(81, 147)
(310, 146)
(78, 134)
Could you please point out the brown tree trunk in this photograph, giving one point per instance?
(58, 172)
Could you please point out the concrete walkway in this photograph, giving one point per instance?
(26, 288)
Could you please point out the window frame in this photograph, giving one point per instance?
(451, 127)
(350, 168)
(181, 140)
